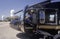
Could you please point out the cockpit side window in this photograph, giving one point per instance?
(42, 16)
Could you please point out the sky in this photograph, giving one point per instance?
(7, 5)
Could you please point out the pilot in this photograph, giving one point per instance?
(31, 19)
(28, 18)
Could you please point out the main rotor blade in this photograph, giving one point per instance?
(18, 11)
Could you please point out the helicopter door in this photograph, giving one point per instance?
(42, 17)
(53, 19)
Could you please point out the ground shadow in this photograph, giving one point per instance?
(25, 36)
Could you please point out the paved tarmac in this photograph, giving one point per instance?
(6, 32)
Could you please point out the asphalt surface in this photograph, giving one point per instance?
(6, 32)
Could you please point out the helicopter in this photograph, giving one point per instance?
(42, 19)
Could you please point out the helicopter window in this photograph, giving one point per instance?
(51, 18)
(42, 16)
